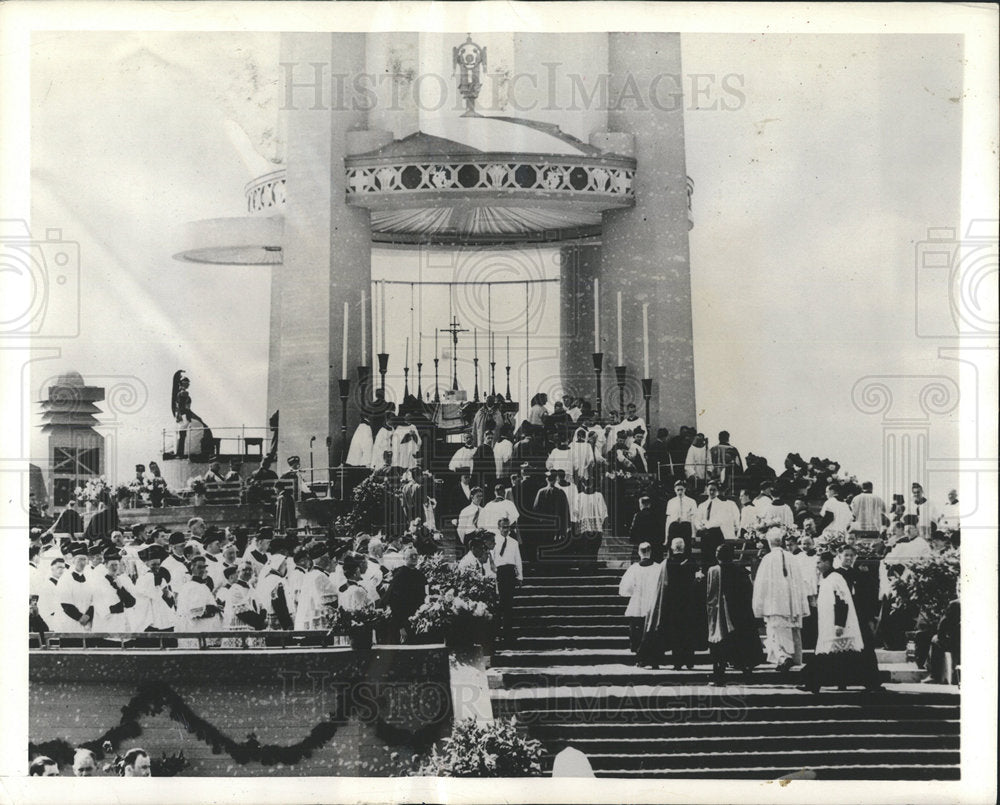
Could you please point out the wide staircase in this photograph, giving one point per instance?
(570, 679)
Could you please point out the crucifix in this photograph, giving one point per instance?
(454, 329)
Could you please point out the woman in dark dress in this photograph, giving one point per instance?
(733, 637)
(676, 621)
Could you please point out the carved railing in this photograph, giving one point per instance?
(267, 192)
(557, 176)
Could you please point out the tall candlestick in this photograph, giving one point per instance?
(645, 339)
(407, 364)
(364, 334)
(508, 350)
(343, 360)
(475, 342)
(621, 359)
(420, 347)
(374, 311)
(597, 315)
(435, 344)
(383, 315)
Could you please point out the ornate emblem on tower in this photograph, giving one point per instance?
(469, 60)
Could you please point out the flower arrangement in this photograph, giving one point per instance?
(927, 586)
(833, 541)
(444, 577)
(456, 620)
(133, 489)
(94, 490)
(368, 508)
(196, 485)
(484, 750)
(369, 616)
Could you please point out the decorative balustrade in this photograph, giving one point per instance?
(549, 175)
(266, 193)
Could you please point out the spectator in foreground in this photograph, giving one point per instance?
(136, 763)
(43, 766)
(84, 763)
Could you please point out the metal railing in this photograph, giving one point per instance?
(157, 641)
(250, 443)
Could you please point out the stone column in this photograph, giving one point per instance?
(645, 249)
(327, 248)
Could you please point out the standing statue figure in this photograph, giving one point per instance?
(193, 437)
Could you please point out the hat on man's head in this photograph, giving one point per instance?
(292, 459)
(78, 549)
(212, 534)
(153, 552)
(266, 533)
(178, 538)
(339, 549)
(112, 555)
(229, 571)
(317, 550)
(96, 549)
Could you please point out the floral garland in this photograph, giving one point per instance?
(153, 697)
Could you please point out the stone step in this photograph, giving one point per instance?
(556, 628)
(789, 760)
(728, 744)
(562, 651)
(789, 730)
(568, 641)
(558, 602)
(883, 771)
(547, 621)
(549, 582)
(543, 572)
(570, 608)
(630, 703)
(621, 674)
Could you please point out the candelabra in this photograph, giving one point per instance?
(345, 392)
(620, 377)
(475, 370)
(508, 383)
(383, 367)
(420, 391)
(437, 393)
(647, 395)
(598, 366)
(406, 382)
(493, 385)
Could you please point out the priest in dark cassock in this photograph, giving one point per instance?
(733, 637)
(484, 466)
(864, 591)
(840, 648)
(69, 522)
(552, 518)
(103, 522)
(677, 621)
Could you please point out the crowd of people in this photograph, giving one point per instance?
(134, 763)
(548, 490)
(808, 600)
